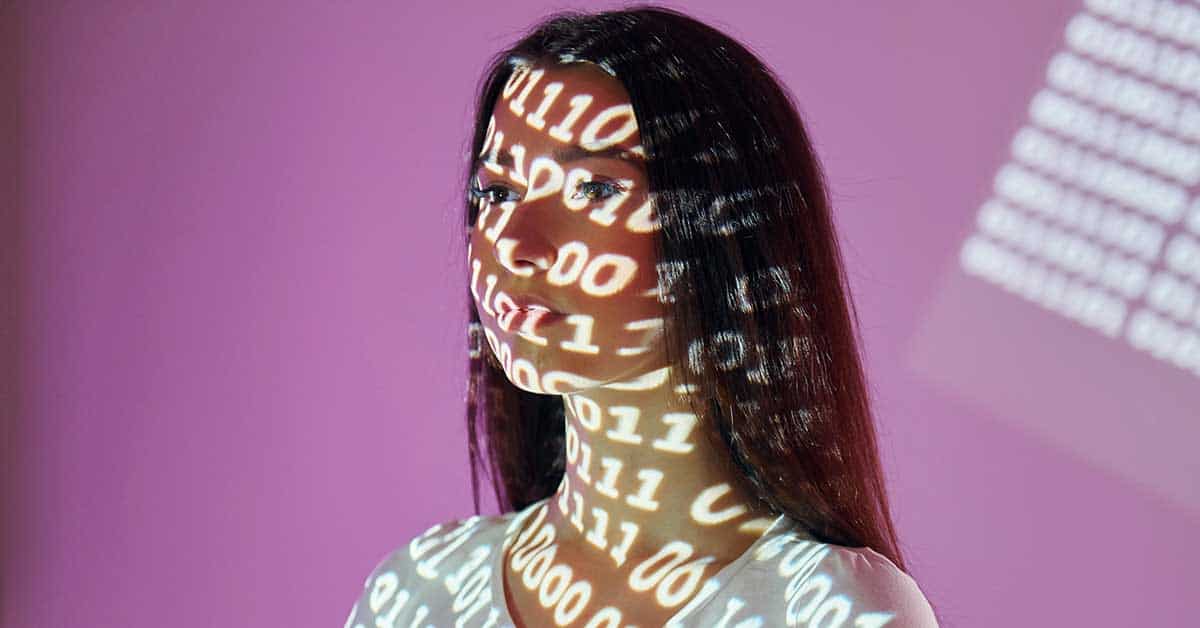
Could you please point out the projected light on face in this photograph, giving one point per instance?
(562, 253)
(650, 524)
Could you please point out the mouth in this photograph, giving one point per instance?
(523, 304)
(528, 318)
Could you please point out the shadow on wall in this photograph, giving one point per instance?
(12, 261)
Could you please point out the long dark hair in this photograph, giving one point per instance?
(759, 315)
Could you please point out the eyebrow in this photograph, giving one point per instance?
(571, 153)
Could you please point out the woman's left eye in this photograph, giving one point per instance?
(597, 190)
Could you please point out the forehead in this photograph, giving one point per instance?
(539, 97)
(576, 78)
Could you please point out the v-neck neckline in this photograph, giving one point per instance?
(723, 575)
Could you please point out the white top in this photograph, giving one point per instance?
(451, 576)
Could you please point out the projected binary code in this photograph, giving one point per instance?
(1096, 216)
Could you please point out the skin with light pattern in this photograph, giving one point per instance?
(565, 223)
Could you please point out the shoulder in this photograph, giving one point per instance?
(814, 583)
(443, 572)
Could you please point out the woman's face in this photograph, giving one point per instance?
(562, 255)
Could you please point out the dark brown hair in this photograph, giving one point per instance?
(758, 313)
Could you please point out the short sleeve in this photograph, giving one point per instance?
(804, 582)
(888, 596)
(441, 573)
(385, 586)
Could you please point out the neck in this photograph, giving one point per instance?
(641, 474)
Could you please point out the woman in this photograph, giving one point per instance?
(671, 398)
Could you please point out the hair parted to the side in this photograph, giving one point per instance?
(759, 318)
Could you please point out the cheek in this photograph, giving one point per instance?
(621, 315)
(479, 268)
(479, 251)
(629, 253)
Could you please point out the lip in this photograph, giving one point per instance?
(525, 303)
(521, 320)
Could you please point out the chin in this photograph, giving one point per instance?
(556, 375)
(551, 371)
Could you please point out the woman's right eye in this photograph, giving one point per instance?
(493, 194)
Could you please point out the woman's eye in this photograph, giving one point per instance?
(592, 190)
(493, 194)
(597, 190)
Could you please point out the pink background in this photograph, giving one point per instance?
(232, 328)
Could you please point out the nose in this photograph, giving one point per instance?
(521, 244)
(524, 255)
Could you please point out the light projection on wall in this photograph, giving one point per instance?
(565, 277)
(1095, 217)
(1074, 308)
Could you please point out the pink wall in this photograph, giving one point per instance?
(238, 312)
